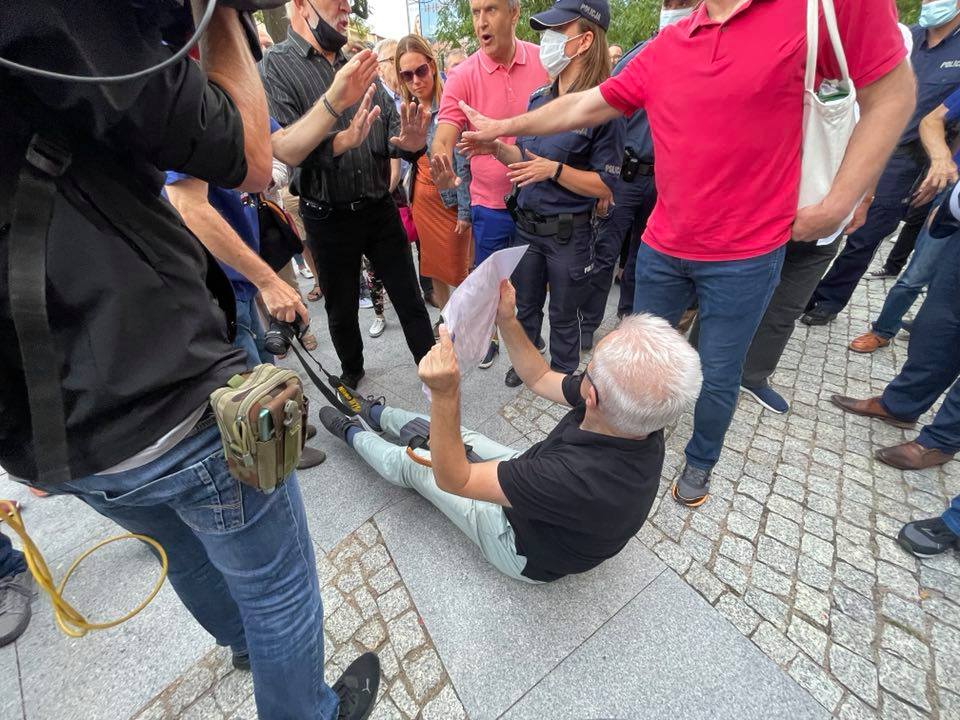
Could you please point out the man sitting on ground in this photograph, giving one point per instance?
(569, 502)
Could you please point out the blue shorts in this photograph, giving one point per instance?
(492, 231)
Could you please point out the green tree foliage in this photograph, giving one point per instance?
(909, 10)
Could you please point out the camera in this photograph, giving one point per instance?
(278, 337)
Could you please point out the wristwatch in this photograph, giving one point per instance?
(556, 175)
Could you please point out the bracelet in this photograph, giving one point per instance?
(556, 175)
(329, 107)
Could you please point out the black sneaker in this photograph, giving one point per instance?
(241, 661)
(352, 380)
(16, 594)
(882, 274)
(337, 423)
(586, 341)
(512, 379)
(925, 538)
(692, 487)
(541, 344)
(357, 687)
(817, 316)
(491, 355)
(366, 410)
(310, 457)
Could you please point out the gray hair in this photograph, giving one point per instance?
(513, 4)
(383, 45)
(646, 375)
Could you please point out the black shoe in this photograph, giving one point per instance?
(541, 344)
(16, 594)
(692, 487)
(311, 431)
(352, 380)
(310, 457)
(337, 423)
(907, 326)
(491, 355)
(817, 316)
(357, 687)
(366, 410)
(586, 341)
(925, 538)
(512, 379)
(241, 661)
(882, 274)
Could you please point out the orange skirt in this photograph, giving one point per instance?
(444, 254)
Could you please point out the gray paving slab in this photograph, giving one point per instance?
(498, 637)
(667, 654)
(11, 701)
(108, 674)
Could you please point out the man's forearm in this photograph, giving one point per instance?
(933, 134)
(451, 470)
(444, 140)
(525, 358)
(567, 112)
(885, 108)
(294, 143)
(226, 58)
(226, 246)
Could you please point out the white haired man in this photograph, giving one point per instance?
(569, 502)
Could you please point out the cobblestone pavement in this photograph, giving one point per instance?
(796, 546)
(366, 607)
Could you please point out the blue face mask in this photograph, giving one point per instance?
(937, 13)
(669, 17)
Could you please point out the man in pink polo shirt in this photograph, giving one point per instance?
(723, 91)
(498, 80)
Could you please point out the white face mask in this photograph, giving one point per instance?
(669, 17)
(552, 56)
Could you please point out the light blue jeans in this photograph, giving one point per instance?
(242, 563)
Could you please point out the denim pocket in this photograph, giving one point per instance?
(220, 508)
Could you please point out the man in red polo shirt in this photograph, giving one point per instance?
(723, 91)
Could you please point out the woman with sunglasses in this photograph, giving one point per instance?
(442, 217)
(558, 181)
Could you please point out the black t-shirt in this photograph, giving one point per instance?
(138, 312)
(579, 496)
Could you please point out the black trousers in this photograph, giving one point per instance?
(338, 239)
(803, 266)
(897, 259)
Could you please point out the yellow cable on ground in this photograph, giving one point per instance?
(69, 620)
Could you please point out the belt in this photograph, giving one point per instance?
(560, 225)
(348, 206)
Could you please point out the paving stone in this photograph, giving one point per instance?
(894, 577)
(854, 579)
(700, 547)
(372, 634)
(386, 710)
(384, 579)
(704, 582)
(854, 605)
(816, 548)
(854, 709)
(393, 603)
(808, 638)
(747, 504)
(375, 558)
(817, 682)
(232, 690)
(903, 680)
(424, 672)
(895, 709)
(777, 555)
(342, 624)
(949, 585)
(731, 574)
(770, 580)
(402, 699)
(368, 534)
(768, 606)
(673, 555)
(406, 634)
(851, 634)
(737, 549)
(857, 673)
(445, 706)
(902, 644)
(742, 525)
(782, 529)
(365, 602)
(774, 643)
(738, 613)
(946, 646)
(813, 573)
(902, 612)
(789, 488)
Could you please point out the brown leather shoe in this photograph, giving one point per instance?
(912, 456)
(870, 407)
(868, 342)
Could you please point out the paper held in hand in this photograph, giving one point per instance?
(472, 309)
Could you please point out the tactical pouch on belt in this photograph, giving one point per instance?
(262, 417)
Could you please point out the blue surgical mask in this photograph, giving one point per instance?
(552, 56)
(937, 13)
(669, 17)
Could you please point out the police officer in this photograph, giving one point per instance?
(634, 196)
(936, 63)
(558, 180)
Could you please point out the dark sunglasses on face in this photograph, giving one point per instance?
(421, 72)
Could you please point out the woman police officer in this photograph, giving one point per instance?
(558, 180)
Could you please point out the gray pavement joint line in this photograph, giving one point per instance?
(23, 702)
(582, 643)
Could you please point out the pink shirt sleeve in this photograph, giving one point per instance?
(453, 93)
(627, 91)
(871, 41)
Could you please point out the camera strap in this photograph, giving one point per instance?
(343, 400)
(33, 202)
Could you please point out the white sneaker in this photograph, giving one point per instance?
(305, 272)
(379, 325)
(366, 303)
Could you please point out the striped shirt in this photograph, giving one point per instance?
(294, 76)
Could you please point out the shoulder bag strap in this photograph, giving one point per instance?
(813, 40)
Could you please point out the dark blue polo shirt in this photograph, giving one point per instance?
(637, 134)
(598, 149)
(938, 72)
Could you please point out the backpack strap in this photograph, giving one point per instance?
(46, 160)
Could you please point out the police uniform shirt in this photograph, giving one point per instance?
(578, 497)
(598, 149)
(937, 70)
(637, 133)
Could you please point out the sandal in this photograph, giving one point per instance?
(309, 341)
(315, 294)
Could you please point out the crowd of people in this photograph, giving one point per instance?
(671, 168)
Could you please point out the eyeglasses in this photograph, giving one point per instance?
(420, 72)
(586, 374)
(383, 60)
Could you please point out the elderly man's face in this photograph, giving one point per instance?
(616, 52)
(386, 61)
(336, 13)
(494, 24)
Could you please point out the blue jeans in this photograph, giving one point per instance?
(951, 515)
(242, 563)
(492, 230)
(919, 272)
(933, 363)
(733, 296)
(11, 561)
(249, 333)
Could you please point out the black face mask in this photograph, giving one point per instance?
(327, 36)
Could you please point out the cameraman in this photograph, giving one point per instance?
(118, 326)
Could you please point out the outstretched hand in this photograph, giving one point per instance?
(536, 169)
(352, 80)
(438, 369)
(442, 172)
(485, 129)
(359, 127)
(414, 122)
(473, 148)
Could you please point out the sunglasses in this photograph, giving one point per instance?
(421, 72)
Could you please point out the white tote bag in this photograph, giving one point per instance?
(828, 122)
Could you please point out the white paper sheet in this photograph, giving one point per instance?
(472, 309)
